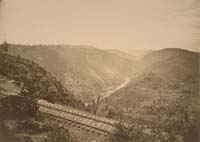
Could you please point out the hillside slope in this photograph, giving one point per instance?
(24, 77)
(170, 63)
(85, 71)
(22, 83)
(165, 72)
(163, 98)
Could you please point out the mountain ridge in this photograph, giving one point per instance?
(87, 72)
(178, 69)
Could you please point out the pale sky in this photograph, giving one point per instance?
(151, 24)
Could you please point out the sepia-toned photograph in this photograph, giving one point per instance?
(99, 70)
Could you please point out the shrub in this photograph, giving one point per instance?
(58, 134)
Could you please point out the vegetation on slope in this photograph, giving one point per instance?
(34, 81)
(84, 70)
(19, 120)
(162, 103)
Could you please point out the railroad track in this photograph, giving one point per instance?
(67, 116)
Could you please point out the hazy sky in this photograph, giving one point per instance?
(102, 23)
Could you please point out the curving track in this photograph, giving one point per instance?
(76, 118)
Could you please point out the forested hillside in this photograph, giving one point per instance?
(159, 102)
(84, 70)
(162, 102)
(33, 80)
(22, 83)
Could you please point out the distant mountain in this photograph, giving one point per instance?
(85, 71)
(167, 74)
(19, 76)
(122, 54)
(137, 53)
(195, 49)
(171, 63)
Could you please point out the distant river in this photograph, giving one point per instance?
(109, 92)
